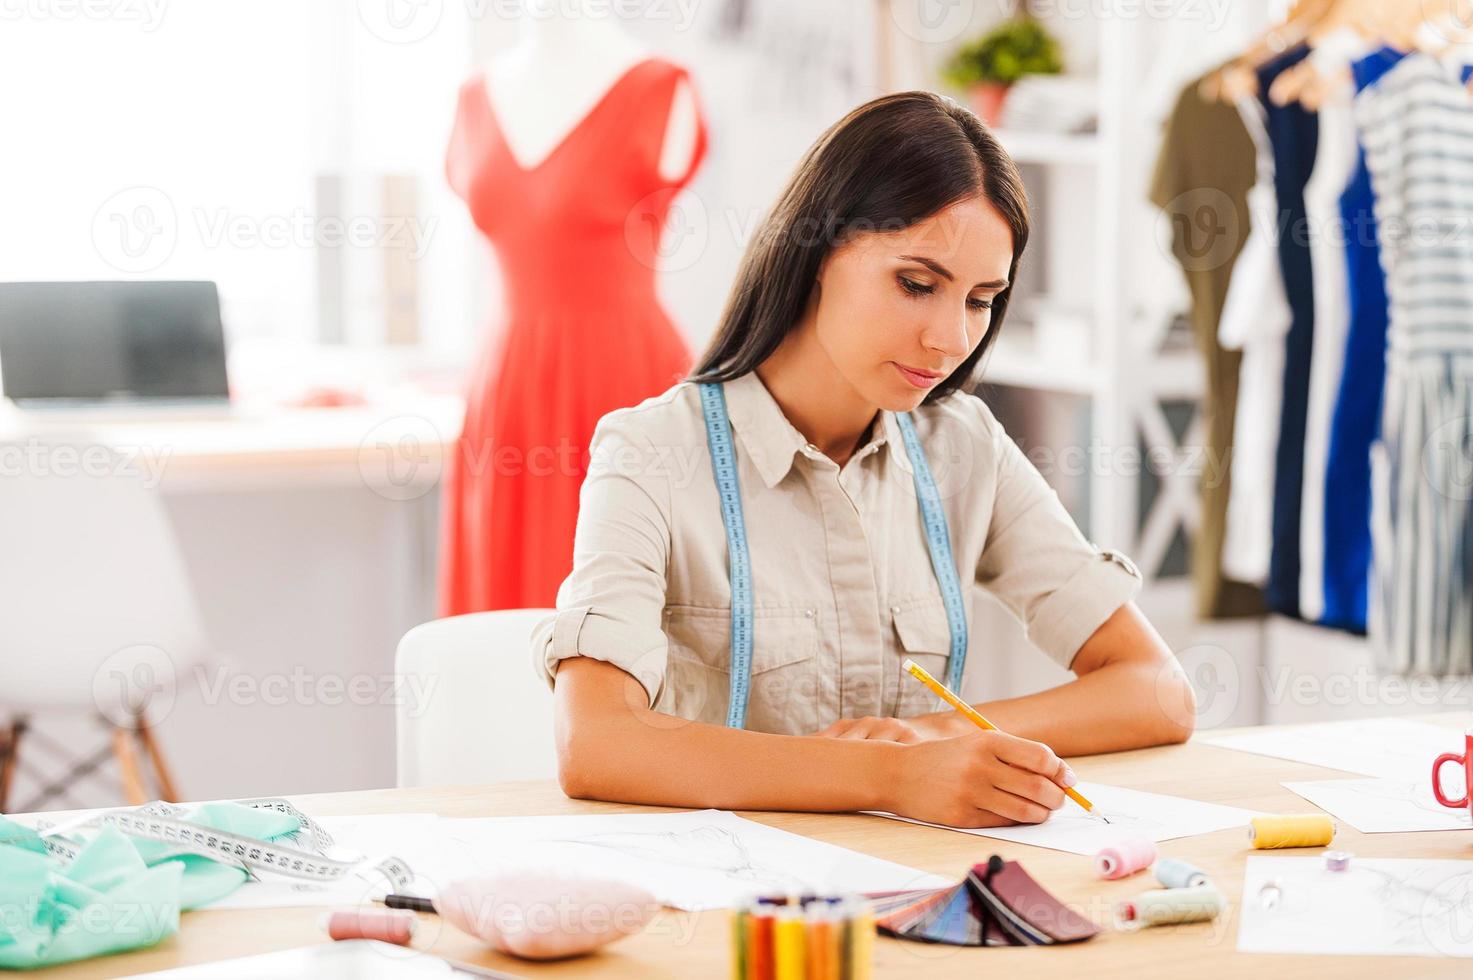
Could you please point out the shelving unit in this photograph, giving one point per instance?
(1049, 148)
(1089, 233)
(1017, 365)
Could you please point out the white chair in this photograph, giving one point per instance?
(97, 615)
(473, 711)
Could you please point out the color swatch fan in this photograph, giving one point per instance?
(998, 904)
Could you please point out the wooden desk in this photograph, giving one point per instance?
(395, 448)
(680, 944)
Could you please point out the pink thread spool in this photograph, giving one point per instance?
(388, 925)
(1125, 858)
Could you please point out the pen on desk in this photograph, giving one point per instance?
(413, 903)
(975, 717)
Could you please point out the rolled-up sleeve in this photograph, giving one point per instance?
(610, 605)
(1037, 562)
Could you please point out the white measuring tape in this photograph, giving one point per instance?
(163, 822)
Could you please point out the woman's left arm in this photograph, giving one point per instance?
(1075, 602)
(1130, 693)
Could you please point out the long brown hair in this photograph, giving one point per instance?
(888, 164)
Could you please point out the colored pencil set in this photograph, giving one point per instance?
(807, 937)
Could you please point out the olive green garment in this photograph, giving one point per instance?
(1202, 178)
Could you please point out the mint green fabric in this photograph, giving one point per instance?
(205, 880)
(119, 893)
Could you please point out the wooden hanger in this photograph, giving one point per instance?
(1309, 83)
(1405, 24)
(1452, 20)
(1240, 79)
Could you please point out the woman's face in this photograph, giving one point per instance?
(899, 311)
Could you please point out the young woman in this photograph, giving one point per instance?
(760, 548)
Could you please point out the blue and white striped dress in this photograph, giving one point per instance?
(1416, 125)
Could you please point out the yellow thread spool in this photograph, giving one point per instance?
(1291, 830)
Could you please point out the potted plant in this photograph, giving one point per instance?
(987, 66)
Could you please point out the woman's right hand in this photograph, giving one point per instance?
(980, 779)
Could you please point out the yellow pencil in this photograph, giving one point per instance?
(787, 941)
(921, 674)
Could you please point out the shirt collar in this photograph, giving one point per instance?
(771, 441)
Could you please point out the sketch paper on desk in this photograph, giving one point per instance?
(1376, 907)
(696, 860)
(1132, 814)
(1384, 806)
(1388, 748)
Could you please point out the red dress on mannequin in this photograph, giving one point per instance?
(576, 238)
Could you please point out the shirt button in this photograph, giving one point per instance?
(895, 609)
(808, 613)
(1121, 560)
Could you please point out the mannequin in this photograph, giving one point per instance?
(571, 62)
(569, 151)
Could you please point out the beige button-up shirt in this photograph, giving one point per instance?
(843, 587)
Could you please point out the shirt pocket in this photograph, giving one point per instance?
(924, 635)
(784, 691)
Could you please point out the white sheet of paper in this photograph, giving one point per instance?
(1388, 748)
(1132, 814)
(1384, 806)
(693, 860)
(1376, 907)
(703, 859)
(351, 959)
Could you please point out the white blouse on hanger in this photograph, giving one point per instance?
(1255, 319)
(1336, 157)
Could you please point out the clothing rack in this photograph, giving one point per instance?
(1354, 115)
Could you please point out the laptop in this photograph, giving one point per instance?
(113, 347)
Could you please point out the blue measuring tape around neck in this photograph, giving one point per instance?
(933, 520)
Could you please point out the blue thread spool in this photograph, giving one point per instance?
(1176, 873)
